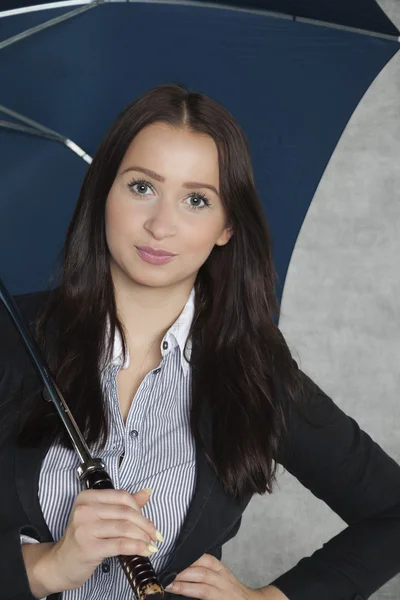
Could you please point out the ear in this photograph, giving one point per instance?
(225, 236)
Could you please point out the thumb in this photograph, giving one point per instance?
(142, 496)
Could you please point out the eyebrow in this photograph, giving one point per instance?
(188, 184)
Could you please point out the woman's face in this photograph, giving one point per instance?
(166, 196)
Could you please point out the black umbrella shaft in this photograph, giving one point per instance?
(91, 471)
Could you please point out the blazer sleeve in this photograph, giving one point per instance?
(13, 523)
(340, 464)
(14, 364)
(13, 576)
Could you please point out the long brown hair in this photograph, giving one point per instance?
(242, 351)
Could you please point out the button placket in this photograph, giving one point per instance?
(133, 430)
(105, 566)
(104, 581)
(116, 411)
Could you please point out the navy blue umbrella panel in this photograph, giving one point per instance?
(292, 85)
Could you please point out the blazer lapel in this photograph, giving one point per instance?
(185, 549)
(212, 512)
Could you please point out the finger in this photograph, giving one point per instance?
(117, 528)
(108, 547)
(126, 513)
(202, 591)
(85, 514)
(107, 497)
(209, 562)
(202, 575)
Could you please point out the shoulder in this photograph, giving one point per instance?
(29, 306)
(14, 359)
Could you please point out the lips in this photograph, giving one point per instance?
(155, 252)
(153, 259)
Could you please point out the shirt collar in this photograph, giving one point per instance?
(176, 335)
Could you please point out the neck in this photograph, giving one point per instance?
(147, 312)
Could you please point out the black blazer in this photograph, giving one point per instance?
(337, 461)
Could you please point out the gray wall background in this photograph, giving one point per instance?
(341, 319)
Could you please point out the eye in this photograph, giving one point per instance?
(140, 186)
(199, 197)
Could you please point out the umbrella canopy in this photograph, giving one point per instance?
(292, 78)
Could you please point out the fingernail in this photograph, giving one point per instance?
(170, 586)
(152, 548)
(148, 490)
(159, 536)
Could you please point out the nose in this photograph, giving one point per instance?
(162, 221)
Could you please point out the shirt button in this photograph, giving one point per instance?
(165, 345)
(105, 567)
(133, 433)
(156, 371)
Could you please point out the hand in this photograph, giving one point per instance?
(209, 579)
(102, 523)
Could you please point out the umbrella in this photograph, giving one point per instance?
(291, 71)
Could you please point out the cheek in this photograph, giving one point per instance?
(118, 222)
(199, 242)
(203, 233)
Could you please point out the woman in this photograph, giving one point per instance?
(175, 371)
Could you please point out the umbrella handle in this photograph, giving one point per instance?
(92, 472)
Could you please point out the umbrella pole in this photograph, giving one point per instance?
(92, 472)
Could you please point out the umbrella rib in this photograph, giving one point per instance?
(23, 10)
(30, 130)
(41, 131)
(261, 12)
(50, 23)
(385, 36)
(28, 121)
(219, 5)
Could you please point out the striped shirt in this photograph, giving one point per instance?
(158, 452)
